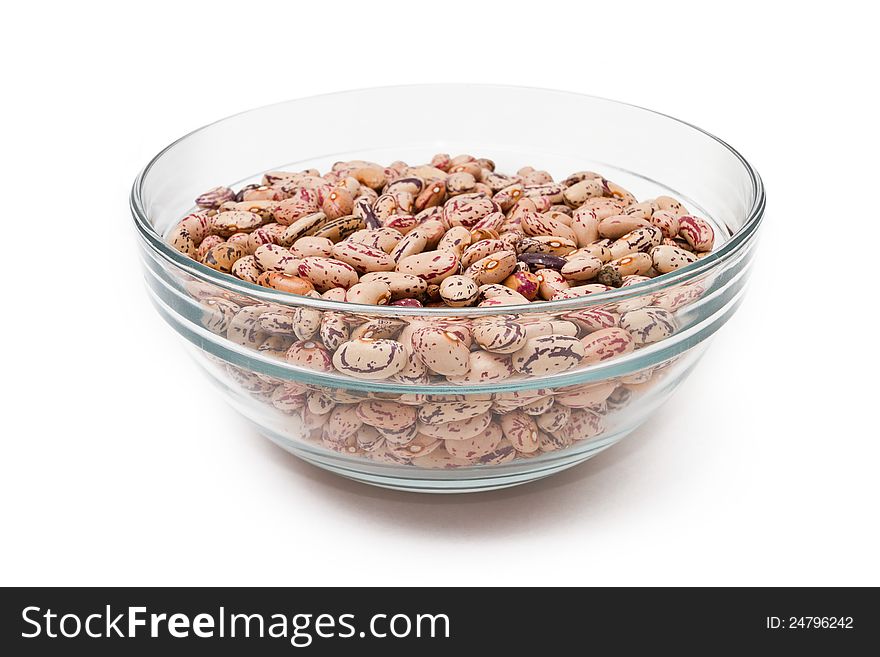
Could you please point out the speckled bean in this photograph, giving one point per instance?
(443, 351)
(581, 268)
(272, 257)
(606, 343)
(617, 226)
(481, 445)
(669, 258)
(375, 293)
(499, 335)
(368, 358)
(493, 268)
(327, 273)
(548, 354)
(697, 232)
(459, 291)
(634, 263)
(648, 324)
(458, 429)
(432, 267)
(484, 366)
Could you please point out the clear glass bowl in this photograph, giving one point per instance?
(319, 415)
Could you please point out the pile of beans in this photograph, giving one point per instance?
(454, 233)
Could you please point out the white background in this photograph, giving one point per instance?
(121, 466)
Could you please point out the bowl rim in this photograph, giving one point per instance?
(728, 250)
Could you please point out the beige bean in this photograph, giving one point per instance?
(369, 439)
(481, 445)
(334, 330)
(594, 319)
(606, 343)
(481, 249)
(305, 225)
(550, 283)
(412, 244)
(271, 257)
(539, 406)
(642, 210)
(414, 372)
(386, 414)
(460, 183)
(484, 366)
(421, 446)
(462, 211)
(670, 204)
(546, 244)
(443, 412)
(442, 351)
(197, 224)
(456, 239)
(619, 193)
(181, 239)
(343, 422)
(493, 268)
(432, 267)
(520, 429)
(598, 250)
(459, 291)
(312, 246)
(379, 328)
(576, 194)
(499, 291)
(334, 294)
(581, 268)
(499, 336)
(548, 354)
(534, 223)
(367, 358)
(554, 418)
(648, 324)
(458, 429)
(244, 327)
(669, 258)
(227, 223)
(375, 293)
(382, 238)
(363, 258)
(402, 286)
(667, 222)
(634, 263)
(372, 176)
(302, 204)
(399, 436)
(310, 355)
(327, 273)
(218, 313)
(604, 207)
(619, 225)
(339, 229)
(246, 269)
(641, 239)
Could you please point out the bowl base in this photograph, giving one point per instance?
(463, 480)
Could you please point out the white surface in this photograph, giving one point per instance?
(121, 466)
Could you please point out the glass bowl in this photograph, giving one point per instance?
(418, 432)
